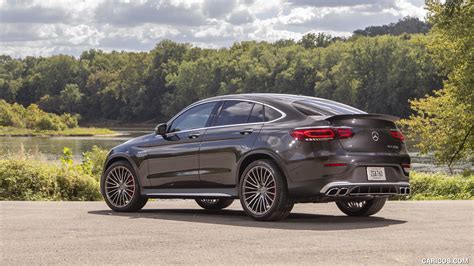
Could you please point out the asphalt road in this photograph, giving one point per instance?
(179, 232)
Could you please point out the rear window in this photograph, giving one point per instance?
(324, 107)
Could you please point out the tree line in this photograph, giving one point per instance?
(377, 74)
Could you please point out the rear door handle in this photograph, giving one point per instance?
(246, 131)
(194, 135)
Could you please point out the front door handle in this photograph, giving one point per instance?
(246, 131)
(194, 135)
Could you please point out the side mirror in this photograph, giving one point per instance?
(160, 129)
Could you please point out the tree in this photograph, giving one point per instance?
(70, 98)
(444, 122)
(408, 25)
(311, 40)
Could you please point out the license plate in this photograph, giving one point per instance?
(376, 173)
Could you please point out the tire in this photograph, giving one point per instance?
(362, 208)
(263, 192)
(214, 204)
(120, 188)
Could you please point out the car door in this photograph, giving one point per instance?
(232, 134)
(174, 158)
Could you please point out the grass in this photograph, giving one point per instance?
(78, 131)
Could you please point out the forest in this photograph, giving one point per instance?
(378, 69)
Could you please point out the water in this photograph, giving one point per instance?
(52, 147)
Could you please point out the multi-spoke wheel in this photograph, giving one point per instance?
(263, 192)
(361, 208)
(120, 188)
(214, 204)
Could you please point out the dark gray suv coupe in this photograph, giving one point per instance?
(268, 150)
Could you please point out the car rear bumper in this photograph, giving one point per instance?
(311, 178)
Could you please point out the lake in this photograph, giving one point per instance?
(52, 147)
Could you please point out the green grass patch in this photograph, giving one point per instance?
(77, 131)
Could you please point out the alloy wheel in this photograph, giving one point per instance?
(259, 190)
(119, 186)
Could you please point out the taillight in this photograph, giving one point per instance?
(344, 133)
(323, 133)
(397, 135)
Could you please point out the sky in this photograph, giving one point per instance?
(47, 27)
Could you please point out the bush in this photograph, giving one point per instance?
(9, 116)
(36, 180)
(93, 161)
(27, 180)
(74, 185)
(428, 186)
(15, 115)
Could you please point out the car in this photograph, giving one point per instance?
(270, 151)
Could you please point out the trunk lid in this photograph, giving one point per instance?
(372, 132)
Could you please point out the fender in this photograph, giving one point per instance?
(276, 158)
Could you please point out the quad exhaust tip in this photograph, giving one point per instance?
(337, 191)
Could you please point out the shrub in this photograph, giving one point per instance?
(27, 180)
(69, 120)
(440, 186)
(74, 185)
(93, 161)
(9, 116)
(35, 180)
(15, 115)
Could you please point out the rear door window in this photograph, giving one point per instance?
(234, 112)
(257, 114)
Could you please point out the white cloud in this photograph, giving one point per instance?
(36, 27)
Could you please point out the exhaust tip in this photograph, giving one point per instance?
(343, 191)
(404, 190)
(332, 192)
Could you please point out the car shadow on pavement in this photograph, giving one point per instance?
(295, 221)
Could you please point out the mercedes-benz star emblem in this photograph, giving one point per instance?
(375, 136)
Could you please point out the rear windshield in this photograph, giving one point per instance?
(324, 107)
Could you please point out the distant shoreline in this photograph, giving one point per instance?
(70, 132)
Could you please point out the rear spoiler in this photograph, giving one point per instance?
(390, 118)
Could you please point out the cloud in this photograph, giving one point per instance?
(31, 14)
(241, 17)
(38, 27)
(135, 13)
(218, 8)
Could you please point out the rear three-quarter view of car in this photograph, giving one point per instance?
(270, 151)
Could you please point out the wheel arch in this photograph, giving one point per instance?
(260, 155)
(120, 157)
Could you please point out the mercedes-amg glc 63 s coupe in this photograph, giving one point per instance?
(268, 150)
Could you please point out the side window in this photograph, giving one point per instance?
(195, 117)
(234, 112)
(257, 114)
(271, 114)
